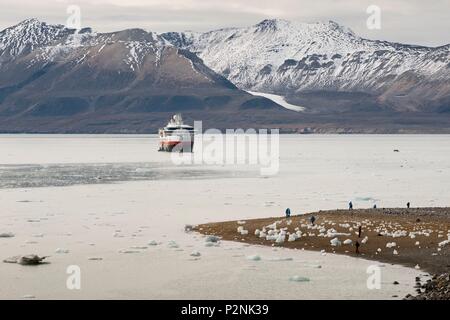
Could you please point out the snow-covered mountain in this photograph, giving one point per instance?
(288, 58)
(84, 78)
(56, 79)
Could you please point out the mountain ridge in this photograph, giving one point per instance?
(57, 79)
(288, 58)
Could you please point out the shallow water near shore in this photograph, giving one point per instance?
(100, 196)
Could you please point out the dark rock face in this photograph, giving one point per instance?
(437, 288)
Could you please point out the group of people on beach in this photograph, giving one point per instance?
(312, 220)
(350, 207)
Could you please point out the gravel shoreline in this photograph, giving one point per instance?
(417, 238)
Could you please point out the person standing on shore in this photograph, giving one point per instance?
(357, 247)
(312, 220)
(288, 213)
(359, 231)
(408, 205)
(350, 205)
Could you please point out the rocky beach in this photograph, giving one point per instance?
(418, 238)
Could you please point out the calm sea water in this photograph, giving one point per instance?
(325, 169)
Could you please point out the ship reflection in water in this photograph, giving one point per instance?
(176, 136)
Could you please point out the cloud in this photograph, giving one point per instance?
(409, 21)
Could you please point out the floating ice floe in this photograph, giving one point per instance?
(38, 235)
(172, 244)
(213, 239)
(29, 296)
(61, 251)
(118, 235)
(139, 247)
(299, 279)
(153, 243)
(188, 228)
(195, 254)
(27, 260)
(129, 251)
(280, 259)
(6, 235)
(254, 257)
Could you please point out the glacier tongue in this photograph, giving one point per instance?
(278, 99)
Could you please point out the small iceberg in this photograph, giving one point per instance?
(298, 279)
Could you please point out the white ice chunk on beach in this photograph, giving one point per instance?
(280, 238)
(241, 222)
(395, 252)
(391, 245)
(335, 242)
(244, 232)
(444, 243)
(257, 232)
(348, 241)
(292, 237)
(364, 241)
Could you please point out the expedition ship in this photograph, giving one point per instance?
(176, 136)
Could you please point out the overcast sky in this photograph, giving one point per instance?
(408, 21)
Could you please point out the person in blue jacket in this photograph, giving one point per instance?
(288, 213)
